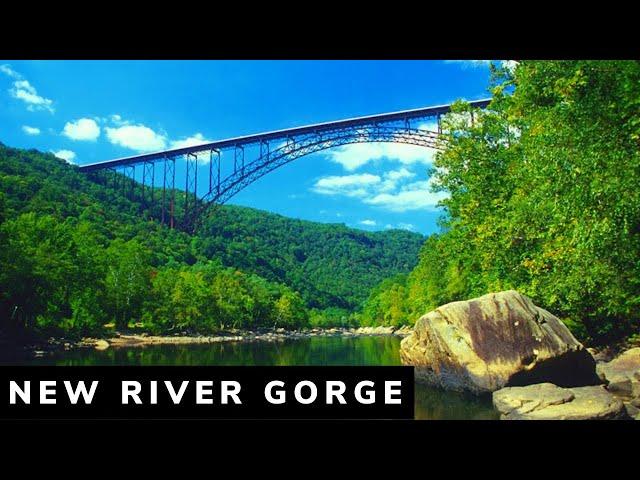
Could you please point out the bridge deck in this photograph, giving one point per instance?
(279, 135)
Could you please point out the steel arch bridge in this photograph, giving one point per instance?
(254, 156)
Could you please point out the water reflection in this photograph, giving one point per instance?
(383, 350)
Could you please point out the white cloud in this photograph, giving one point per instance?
(197, 139)
(399, 174)
(401, 226)
(368, 223)
(136, 137)
(117, 120)
(82, 129)
(413, 196)
(407, 226)
(349, 185)
(392, 191)
(192, 141)
(7, 70)
(405, 200)
(393, 177)
(30, 130)
(353, 156)
(67, 155)
(143, 139)
(23, 90)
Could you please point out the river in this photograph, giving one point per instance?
(323, 350)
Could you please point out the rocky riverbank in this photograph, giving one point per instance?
(280, 334)
(622, 378)
(546, 401)
(618, 397)
(503, 344)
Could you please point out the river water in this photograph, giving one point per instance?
(325, 350)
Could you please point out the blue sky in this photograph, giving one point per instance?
(88, 111)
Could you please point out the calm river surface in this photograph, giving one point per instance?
(364, 350)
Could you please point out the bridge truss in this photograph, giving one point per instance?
(226, 167)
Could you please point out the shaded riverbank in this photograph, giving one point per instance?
(128, 340)
(10, 349)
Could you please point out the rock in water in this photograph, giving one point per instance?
(545, 401)
(499, 339)
(623, 373)
(101, 345)
(622, 376)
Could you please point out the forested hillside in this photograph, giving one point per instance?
(331, 265)
(76, 254)
(544, 199)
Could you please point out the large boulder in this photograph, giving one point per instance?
(546, 401)
(497, 340)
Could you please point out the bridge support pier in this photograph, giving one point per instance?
(214, 156)
(168, 182)
(128, 181)
(264, 151)
(191, 189)
(148, 172)
(238, 158)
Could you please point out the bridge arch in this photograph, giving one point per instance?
(291, 144)
(293, 150)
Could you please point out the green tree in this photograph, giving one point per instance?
(290, 311)
(47, 272)
(127, 280)
(543, 197)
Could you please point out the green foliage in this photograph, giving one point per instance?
(126, 281)
(47, 274)
(290, 310)
(386, 304)
(543, 197)
(76, 255)
(332, 317)
(207, 297)
(331, 265)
